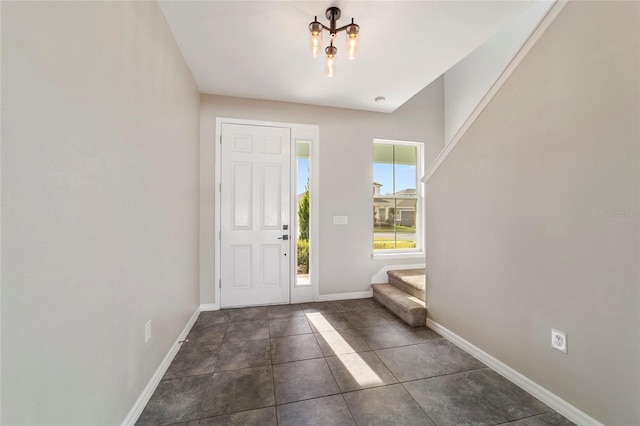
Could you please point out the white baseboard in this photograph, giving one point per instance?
(143, 399)
(344, 296)
(552, 400)
(209, 307)
(381, 277)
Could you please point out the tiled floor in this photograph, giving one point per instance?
(331, 363)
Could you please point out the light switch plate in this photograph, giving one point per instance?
(340, 220)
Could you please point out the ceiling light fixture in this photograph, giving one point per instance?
(316, 28)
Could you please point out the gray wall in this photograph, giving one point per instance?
(346, 170)
(100, 138)
(532, 221)
(468, 81)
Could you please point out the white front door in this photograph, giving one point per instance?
(255, 215)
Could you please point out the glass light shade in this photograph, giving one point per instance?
(352, 46)
(330, 65)
(315, 38)
(315, 44)
(352, 40)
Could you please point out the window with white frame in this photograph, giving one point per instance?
(397, 197)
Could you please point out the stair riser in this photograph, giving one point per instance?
(414, 317)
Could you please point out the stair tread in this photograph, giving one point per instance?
(411, 281)
(414, 277)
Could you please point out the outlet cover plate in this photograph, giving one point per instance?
(559, 340)
(147, 331)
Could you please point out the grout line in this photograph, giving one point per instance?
(273, 384)
(530, 417)
(348, 408)
(414, 400)
(324, 356)
(206, 395)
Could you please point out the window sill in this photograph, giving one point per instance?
(409, 255)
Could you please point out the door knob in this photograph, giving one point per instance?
(284, 237)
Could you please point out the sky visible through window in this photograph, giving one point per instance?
(303, 174)
(405, 177)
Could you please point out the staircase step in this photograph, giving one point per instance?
(409, 308)
(410, 281)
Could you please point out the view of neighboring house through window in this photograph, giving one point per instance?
(396, 200)
(303, 211)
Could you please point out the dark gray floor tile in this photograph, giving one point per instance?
(247, 330)
(410, 363)
(284, 311)
(318, 307)
(192, 360)
(510, 400)
(450, 356)
(549, 419)
(295, 381)
(209, 335)
(383, 336)
(288, 326)
(341, 342)
(353, 305)
(365, 318)
(328, 411)
(191, 423)
(239, 390)
(328, 322)
(375, 304)
(398, 322)
(248, 353)
(416, 334)
(453, 400)
(248, 314)
(387, 405)
(212, 317)
(359, 371)
(259, 417)
(294, 348)
(385, 313)
(176, 400)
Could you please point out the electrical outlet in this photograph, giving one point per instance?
(559, 340)
(147, 331)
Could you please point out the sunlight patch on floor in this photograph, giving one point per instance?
(357, 367)
(320, 322)
(360, 370)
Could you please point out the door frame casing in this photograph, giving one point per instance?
(302, 132)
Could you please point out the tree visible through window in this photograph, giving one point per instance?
(303, 181)
(395, 196)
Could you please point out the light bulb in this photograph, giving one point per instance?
(330, 65)
(330, 62)
(352, 40)
(352, 47)
(316, 44)
(315, 38)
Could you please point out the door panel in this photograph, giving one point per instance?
(270, 196)
(254, 258)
